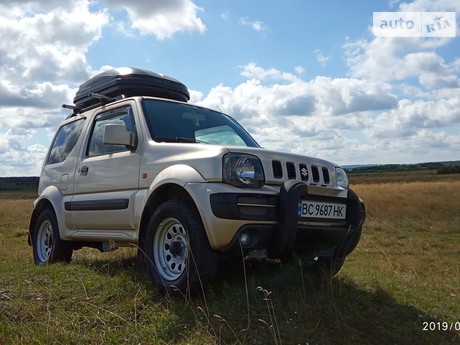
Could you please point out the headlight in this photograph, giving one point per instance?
(243, 170)
(342, 178)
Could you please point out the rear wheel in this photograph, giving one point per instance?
(180, 259)
(46, 242)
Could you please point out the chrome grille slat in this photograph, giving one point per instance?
(290, 167)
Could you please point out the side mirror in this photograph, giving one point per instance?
(117, 134)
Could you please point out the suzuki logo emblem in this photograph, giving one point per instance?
(304, 173)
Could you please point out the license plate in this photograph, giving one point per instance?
(318, 209)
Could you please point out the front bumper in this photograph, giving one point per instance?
(268, 220)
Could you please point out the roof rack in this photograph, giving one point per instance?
(103, 99)
(118, 83)
(127, 81)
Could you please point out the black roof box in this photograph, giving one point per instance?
(129, 82)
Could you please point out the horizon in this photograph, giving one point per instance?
(345, 166)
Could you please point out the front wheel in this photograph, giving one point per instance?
(46, 242)
(180, 259)
(323, 266)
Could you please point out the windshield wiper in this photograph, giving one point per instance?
(180, 140)
(185, 140)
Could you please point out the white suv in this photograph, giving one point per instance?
(136, 165)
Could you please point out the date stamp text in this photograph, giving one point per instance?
(440, 326)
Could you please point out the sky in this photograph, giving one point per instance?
(301, 76)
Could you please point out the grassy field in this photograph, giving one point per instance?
(403, 277)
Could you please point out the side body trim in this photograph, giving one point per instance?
(97, 205)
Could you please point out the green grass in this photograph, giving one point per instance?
(405, 271)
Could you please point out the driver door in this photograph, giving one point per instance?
(106, 178)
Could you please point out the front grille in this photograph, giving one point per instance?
(313, 174)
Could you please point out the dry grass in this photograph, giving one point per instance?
(406, 270)
(433, 205)
(412, 243)
(14, 223)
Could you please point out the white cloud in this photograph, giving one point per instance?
(43, 50)
(299, 70)
(195, 96)
(323, 116)
(270, 91)
(394, 59)
(409, 117)
(337, 96)
(430, 6)
(253, 71)
(161, 18)
(256, 25)
(48, 44)
(44, 43)
(18, 159)
(320, 57)
(426, 86)
(42, 53)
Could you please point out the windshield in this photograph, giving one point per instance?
(178, 122)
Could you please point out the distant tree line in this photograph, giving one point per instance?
(18, 184)
(452, 167)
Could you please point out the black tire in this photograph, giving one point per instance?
(47, 245)
(324, 267)
(329, 266)
(179, 258)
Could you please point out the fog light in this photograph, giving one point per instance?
(245, 239)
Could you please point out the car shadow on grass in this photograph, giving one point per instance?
(314, 310)
(269, 302)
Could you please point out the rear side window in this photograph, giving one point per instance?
(64, 142)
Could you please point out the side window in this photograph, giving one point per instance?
(96, 146)
(64, 142)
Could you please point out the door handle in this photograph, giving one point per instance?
(84, 170)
